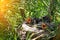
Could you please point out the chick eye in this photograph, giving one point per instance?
(44, 26)
(28, 20)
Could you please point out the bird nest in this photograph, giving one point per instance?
(42, 29)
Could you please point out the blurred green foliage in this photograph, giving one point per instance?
(36, 8)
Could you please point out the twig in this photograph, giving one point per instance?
(42, 35)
